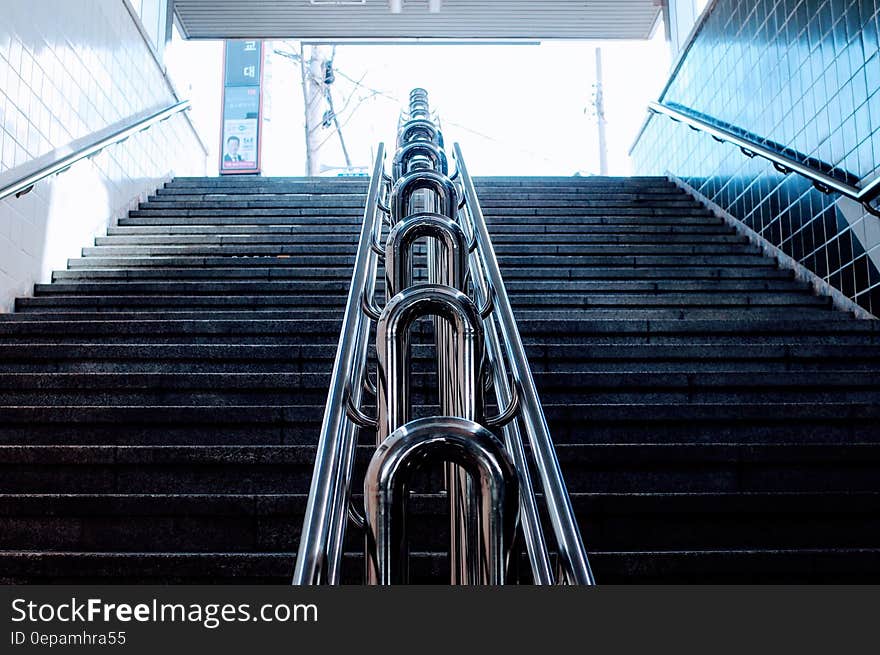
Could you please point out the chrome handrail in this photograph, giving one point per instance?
(784, 164)
(26, 184)
(320, 545)
(572, 554)
(506, 394)
(488, 483)
(419, 174)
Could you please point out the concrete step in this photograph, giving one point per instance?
(328, 241)
(206, 426)
(514, 252)
(569, 308)
(616, 468)
(328, 213)
(294, 301)
(620, 275)
(316, 254)
(285, 388)
(487, 194)
(565, 252)
(560, 294)
(306, 230)
(780, 566)
(593, 181)
(286, 261)
(347, 201)
(265, 201)
(211, 275)
(551, 219)
(325, 189)
(265, 523)
(564, 326)
(834, 327)
(262, 238)
(741, 387)
(310, 319)
(523, 282)
(596, 182)
(196, 194)
(705, 424)
(318, 357)
(573, 210)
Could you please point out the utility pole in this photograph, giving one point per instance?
(600, 116)
(314, 95)
(317, 75)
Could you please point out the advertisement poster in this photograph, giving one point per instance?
(242, 108)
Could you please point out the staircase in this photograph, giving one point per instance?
(161, 398)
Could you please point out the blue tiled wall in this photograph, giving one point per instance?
(800, 75)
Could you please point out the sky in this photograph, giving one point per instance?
(516, 109)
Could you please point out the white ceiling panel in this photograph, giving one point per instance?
(384, 20)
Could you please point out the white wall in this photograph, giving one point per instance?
(67, 71)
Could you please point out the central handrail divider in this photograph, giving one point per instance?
(488, 484)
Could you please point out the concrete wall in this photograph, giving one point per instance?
(69, 70)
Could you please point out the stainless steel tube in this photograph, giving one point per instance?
(533, 532)
(350, 436)
(453, 261)
(315, 537)
(571, 548)
(418, 128)
(395, 463)
(404, 189)
(393, 353)
(406, 156)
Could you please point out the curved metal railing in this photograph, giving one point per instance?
(24, 185)
(490, 490)
(782, 163)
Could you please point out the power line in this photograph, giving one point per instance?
(378, 93)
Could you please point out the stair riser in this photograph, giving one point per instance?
(499, 241)
(678, 567)
(641, 477)
(776, 427)
(486, 196)
(273, 533)
(305, 231)
(341, 201)
(620, 276)
(548, 221)
(98, 364)
(282, 295)
(512, 255)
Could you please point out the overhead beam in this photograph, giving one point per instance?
(389, 20)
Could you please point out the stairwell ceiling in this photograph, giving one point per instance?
(384, 20)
